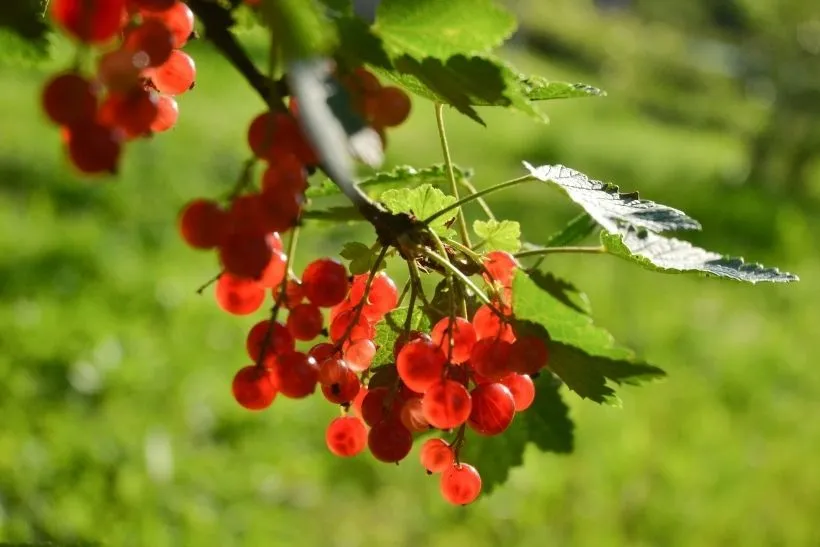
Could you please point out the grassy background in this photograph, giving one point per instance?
(117, 424)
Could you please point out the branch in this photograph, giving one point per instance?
(217, 21)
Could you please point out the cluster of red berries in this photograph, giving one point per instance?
(141, 70)
(462, 374)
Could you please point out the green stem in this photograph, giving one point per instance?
(466, 251)
(445, 148)
(408, 321)
(551, 250)
(360, 306)
(477, 195)
(481, 201)
(444, 263)
(280, 297)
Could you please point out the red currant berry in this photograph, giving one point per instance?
(176, 75)
(460, 484)
(94, 148)
(464, 338)
(345, 390)
(294, 295)
(500, 266)
(389, 107)
(436, 455)
(294, 374)
(332, 370)
(389, 441)
(359, 354)
(379, 405)
(528, 355)
(93, 21)
(412, 416)
(323, 351)
(346, 436)
(202, 223)
(280, 340)
(420, 364)
(167, 114)
(522, 388)
(325, 282)
(493, 409)
(238, 296)
(382, 298)
(488, 324)
(150, 5)
(252, 388)
(404, 338)
(361, 330)
(356, 405)
(120, 70)
(305, 322)
(178, 18)
(286, 176)
(131, 111)
(491, 358)
(69, 98)
(274, 273)
(244, 254)
(152, 38)
(446, 404)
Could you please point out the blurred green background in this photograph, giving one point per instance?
(116, 420)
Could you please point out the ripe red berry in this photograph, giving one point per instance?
(403, 338)
(305, 322)
(178, 18)
(176, 75)
(488, 324)
(412, 415)
(294, 374)
(382, 298)
(332, 370)
(500, 266)
(274, 273)
(252, 388)
(151, 5)
(464, 338)
(522, 388)
(153, 39)
(271, 136)
(491, 358)
(460, 484)
(361, 330)
(389, 107)
(343, 391)
(120, 70)
(94, 148)
(202, 223)
(493, 409)
(346, 436)
(294, 295)
(280, 340)
(446, 404)
(93, 21)
(420, 364)
(323, 351)
(389, 441)
(379, 404)
(238, 296)
(286, 176)
(436, 455)
(244, 254)
(69, 98)
(167, 114)
(325, 282)
(359, 354)
(131, 111)
(528, 355)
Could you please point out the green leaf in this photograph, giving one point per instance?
(23, 31)
(668, 255)
(361, 257)
(546, 424)
(359, 45)
(390, 328)
(536, 88)
(300, 28)
(609, 207)
(499, 236)
(563, 291)
(403, 175)
(582, 355)
(576, 230)
(422, 202)
(462, 82)
(442, 28)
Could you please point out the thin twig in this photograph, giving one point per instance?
(445, 149)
